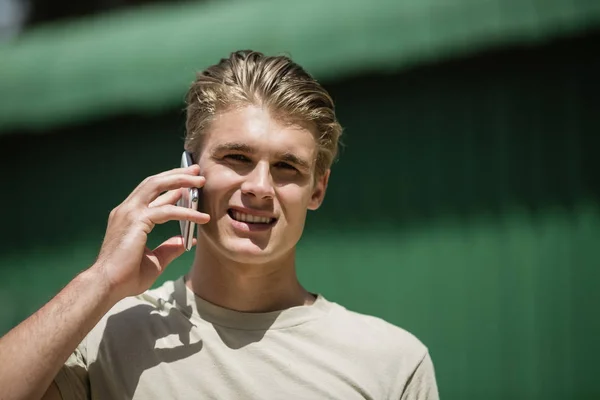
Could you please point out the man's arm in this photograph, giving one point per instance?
(422, 384)
(32, 353)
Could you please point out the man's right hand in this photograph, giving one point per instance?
(128, 265)
(33, 352)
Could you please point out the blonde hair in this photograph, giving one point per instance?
(277, 83)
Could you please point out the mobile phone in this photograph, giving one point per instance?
(190, 198)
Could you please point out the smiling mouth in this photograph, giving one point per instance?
(250, 219)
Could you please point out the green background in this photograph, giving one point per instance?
(464, 208)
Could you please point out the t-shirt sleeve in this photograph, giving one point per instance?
(72, 379)
(422, 384)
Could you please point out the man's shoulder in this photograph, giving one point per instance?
(155, 298)
(375, 334)
(134, 315)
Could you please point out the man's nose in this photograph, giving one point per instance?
(259, 182)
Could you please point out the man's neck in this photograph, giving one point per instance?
(266, 287)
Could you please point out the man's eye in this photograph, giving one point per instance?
(237, 157)
(284, 165)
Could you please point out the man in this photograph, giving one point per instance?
(263, 134)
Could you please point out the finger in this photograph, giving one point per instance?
(169, 250)
(192, 170)
(169, 212)
(170, 197)
(156, 185)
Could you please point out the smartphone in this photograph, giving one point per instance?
(190, 197)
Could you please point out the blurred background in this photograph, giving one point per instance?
(465, 206)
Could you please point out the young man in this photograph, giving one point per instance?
(239, 326)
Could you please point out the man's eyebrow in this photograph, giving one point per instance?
(233, 146)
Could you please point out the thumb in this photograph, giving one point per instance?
(169, 250)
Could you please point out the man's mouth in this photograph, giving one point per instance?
(250, 219)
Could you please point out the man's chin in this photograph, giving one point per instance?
(248, 251)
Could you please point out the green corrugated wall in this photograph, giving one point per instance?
(464, 208)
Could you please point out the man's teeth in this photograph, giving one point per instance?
(250, 218)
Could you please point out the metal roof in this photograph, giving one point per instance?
(143, 60)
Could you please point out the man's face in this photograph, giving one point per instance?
(259, 184)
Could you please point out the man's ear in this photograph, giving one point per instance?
(318, 194)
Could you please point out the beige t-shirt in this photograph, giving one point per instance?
(170, 344)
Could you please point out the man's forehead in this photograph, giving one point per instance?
(253, 129)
